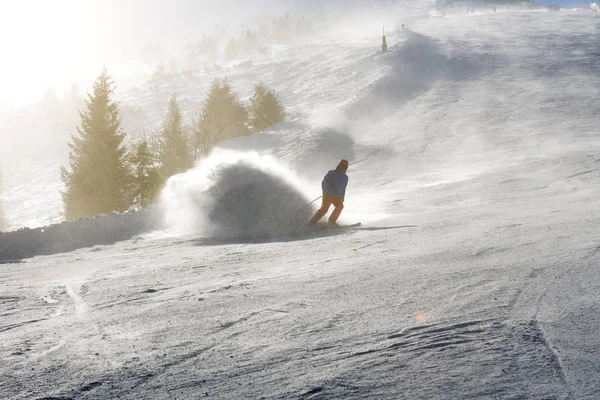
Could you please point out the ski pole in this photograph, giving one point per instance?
(365, 157)
(308, 204)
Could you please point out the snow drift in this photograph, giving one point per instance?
(68, 236)
(237, 195)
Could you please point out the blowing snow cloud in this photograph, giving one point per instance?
(237, 195)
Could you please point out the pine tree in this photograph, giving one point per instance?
(303, 26)
(175, 155)
(159, 74)
(264, 32)
(98, 181)
(208, 47)
(146, 175)
(265, 108)
(232, 49)
(223, 117)
(207, 129)
(250, 41)
(235, 112)
(282, 28)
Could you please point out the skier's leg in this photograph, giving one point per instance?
(338, 203)
(325, 204)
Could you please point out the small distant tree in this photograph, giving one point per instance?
(232, 49)
(74, 101)
(222, 117)
(303, 26)
(146, 175)
(174, 153)
(231, 110)
(282, 28)
(207, 47)
(265, 108)
(250, 41)
(98, 180)
(207, 129)
(159, 74)
(264, 31)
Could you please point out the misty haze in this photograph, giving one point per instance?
(321, 199)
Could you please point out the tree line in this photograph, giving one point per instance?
(277, 30)
(222, 46)
(106, 175)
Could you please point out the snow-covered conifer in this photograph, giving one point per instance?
(265, 108)
(98, 180)
(175, 154)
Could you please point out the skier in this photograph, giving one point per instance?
(334, 190)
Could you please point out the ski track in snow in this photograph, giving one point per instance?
(474, 274)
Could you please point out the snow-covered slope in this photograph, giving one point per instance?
(474, 274)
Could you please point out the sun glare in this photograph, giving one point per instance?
(43, 43)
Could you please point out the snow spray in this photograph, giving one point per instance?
(237, 195)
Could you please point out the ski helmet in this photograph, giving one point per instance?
(343, 165)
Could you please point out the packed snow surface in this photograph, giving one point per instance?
(475, 274)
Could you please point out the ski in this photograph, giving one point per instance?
(323, 227)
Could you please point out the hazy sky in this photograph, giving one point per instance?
(57, 42)
(48, 41)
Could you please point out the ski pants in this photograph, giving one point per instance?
(326, 202)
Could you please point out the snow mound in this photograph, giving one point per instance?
(414, 67)
(237, 195)
(68, 236)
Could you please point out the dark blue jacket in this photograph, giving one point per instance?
(334, 184)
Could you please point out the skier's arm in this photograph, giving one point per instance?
(344, 183)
